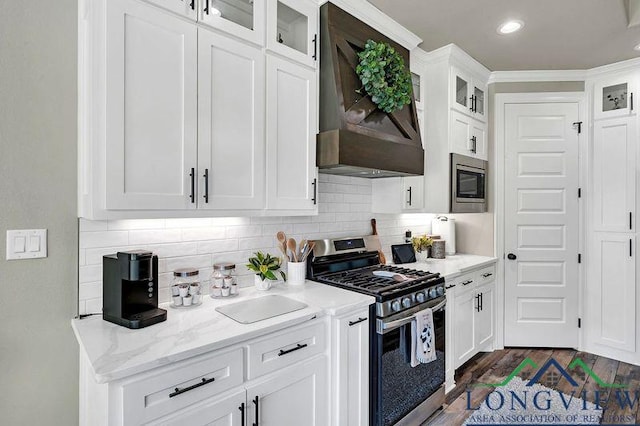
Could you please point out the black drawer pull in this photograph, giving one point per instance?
(288, 351)
(192, 175)
(357, 322)
(449, 286)
(467, 282)
(487, 275)
(179, 391)
(256, 401)
(241, 408)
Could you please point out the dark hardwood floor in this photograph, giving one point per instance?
(495, 366)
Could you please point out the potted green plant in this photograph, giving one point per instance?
(266, 267)
(422, 246)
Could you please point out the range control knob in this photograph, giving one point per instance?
(406, 302)
(420, 297)
(440, 290)
(395, 305)
(433, 293)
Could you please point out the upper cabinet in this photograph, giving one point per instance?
(242, 18)
(173, 113)
(613, 97)
(292, 30)
(468, 94)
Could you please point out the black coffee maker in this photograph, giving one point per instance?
(130, 289)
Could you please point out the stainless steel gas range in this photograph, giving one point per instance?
(399, 394)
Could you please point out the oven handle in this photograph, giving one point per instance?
(385, 327)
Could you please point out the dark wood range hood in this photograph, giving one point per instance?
(356, 138)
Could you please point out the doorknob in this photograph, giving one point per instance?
(512, 256)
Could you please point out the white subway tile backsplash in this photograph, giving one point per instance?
(344, 211)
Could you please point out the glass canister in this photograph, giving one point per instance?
(223, 280)
(186, 288)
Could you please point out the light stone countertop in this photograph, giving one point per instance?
(115, 352)
(453, 266)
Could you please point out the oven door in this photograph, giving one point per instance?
(400, 391)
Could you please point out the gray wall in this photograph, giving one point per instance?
(38, 353)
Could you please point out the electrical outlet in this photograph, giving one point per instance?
(26, 244)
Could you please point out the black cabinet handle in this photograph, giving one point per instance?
(631, 101)
(358, 321)
(206, 185)
(409, 191)
(206, 6)
(449, 286)
(474, 143)
(193, 5)
(288, 351)
(487, 275)
(471, 103)
(241, 408)
(179, 391)
(193, 185)
(315, 191)
(477, 302)
(467, 282)
(255, 401)
(315, 47)
(512, 256)
(481, 300)
(630, 220)
(630, 248)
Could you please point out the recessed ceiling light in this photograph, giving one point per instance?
(510, 27)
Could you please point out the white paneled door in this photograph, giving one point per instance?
(541, 224)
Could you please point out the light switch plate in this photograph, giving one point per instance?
(26, 244)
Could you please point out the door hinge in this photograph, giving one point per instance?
(579, 257)
(579, 192)
(579, 322)
(579, 125)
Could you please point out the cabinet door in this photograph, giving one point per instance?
(186, 8)
(296, 396)
(231, 123)
(216, 412)
(614, 174)
(292, 30)
(613, 97)
(464, 342)
(484, 316)
(151, 87)
(460, 141)
(413, 189)
(291, 136)
(478, 140)
(479, 101)
(461, 91)
(612, 287)
(351, 370)
(241, 18)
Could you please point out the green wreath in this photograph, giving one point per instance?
(384, 76)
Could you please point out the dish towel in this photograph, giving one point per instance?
(423, 338)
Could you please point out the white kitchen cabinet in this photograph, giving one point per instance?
(295, 396)
(151, 89)
(468, 94)
(613, 96)
(350, 370)
(241, 18)
(467, 136)
(231, 103)
(291, 134)
(474, 314)
(398, 194)
(614, 174)
(292, 30)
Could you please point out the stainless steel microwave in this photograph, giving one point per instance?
(468, 184)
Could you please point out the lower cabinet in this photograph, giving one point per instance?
(350, 370)
(228, 411)
(473, 314)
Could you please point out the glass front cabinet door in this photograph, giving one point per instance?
(614, 97)
(461, 92)
(242, 18)
(292, 30)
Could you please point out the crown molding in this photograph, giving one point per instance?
(537, 76)
(630, 65)
(374, 17)
(457, 55)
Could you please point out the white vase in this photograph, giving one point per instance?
(422, 256)
(260, 284)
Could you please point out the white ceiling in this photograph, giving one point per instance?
(558, 34)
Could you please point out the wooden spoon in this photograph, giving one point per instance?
(282, 240)
(293, 247)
